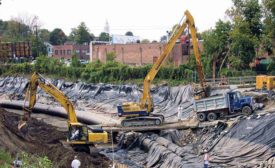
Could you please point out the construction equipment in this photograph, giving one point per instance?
(79, 135)
(140, 114)
(227, 105)
(264, 82)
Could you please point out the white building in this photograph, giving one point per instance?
(49, 49)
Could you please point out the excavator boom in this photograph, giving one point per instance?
(139, 114)
(39, 80)
(78, 134)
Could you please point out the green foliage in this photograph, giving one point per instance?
(269, 21)
(235, 73)
(81, 34)
(104, 36)
(29, 161)
(75, 61)
(110, 56)
(145, 41)
(129, 33)
(96, 71)
(5, 159)
(243, 48)
(216, 46)
(57, 37)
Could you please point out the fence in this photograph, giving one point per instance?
(242, 80)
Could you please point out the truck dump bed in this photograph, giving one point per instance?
(211, 103)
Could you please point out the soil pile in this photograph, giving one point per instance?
(42, 139)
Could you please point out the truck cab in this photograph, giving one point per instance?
(237, 102)
(229, 104)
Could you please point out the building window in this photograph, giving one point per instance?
(69, 52)
(60, 52)
(155, 59)
(64, 52)
(56, 52)
(84, 51)
(77, 51)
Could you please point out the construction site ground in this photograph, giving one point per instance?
(42, 139)
(46, 134)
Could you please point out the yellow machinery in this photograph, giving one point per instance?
(139, 114)
(79, 135)
(264, 82)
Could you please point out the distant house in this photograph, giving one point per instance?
(141, 53)
(49, 49)
(68, 49)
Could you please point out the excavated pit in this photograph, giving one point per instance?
(176, 148)
(42, 139)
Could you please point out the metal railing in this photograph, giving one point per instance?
(242, 80)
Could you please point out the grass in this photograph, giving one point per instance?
(29, 161)
(5, 159)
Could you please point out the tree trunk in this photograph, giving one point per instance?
(214, 68)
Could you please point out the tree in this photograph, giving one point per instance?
(246, 33)
(110, 56)
(216, 45)
(269, 24)
(163, 39)
(57, 37)
(14, 31)
(145, 41)
(129, 33)
(81, 34)
(75, 61)
(44, 35)
(104, 36)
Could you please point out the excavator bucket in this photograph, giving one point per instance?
(21, 124)
(24, 119)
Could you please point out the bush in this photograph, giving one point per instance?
(111, 71)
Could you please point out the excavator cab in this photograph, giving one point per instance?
(77, 132)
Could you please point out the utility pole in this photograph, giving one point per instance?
(36, 34)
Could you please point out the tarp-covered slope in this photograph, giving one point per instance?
(247, 143)
(105, 97)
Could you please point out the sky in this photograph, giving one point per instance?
(148, 19)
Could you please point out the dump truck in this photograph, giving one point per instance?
(229, 104)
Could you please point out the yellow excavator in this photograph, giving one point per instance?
(140, 114)
(79, 135)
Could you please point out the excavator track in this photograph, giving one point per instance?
(153, 120)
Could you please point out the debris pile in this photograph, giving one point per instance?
(42, 139)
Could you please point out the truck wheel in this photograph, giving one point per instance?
(246, 110)
(212, 116)
(201, 116)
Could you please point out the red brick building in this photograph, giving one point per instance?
(138, 54)
(67, 50)
(131, 54)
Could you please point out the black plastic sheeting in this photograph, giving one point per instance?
(105, 97)
(248, 142)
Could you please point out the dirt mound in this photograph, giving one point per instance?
(42, 139)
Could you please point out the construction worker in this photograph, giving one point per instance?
(75, 163)
(17, 162)
(206, 159)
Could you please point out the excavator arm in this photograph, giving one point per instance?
(135, 112)
(38, 80)
(79, 135)
(146, 98)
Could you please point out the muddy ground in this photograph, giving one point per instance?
(45, 140)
